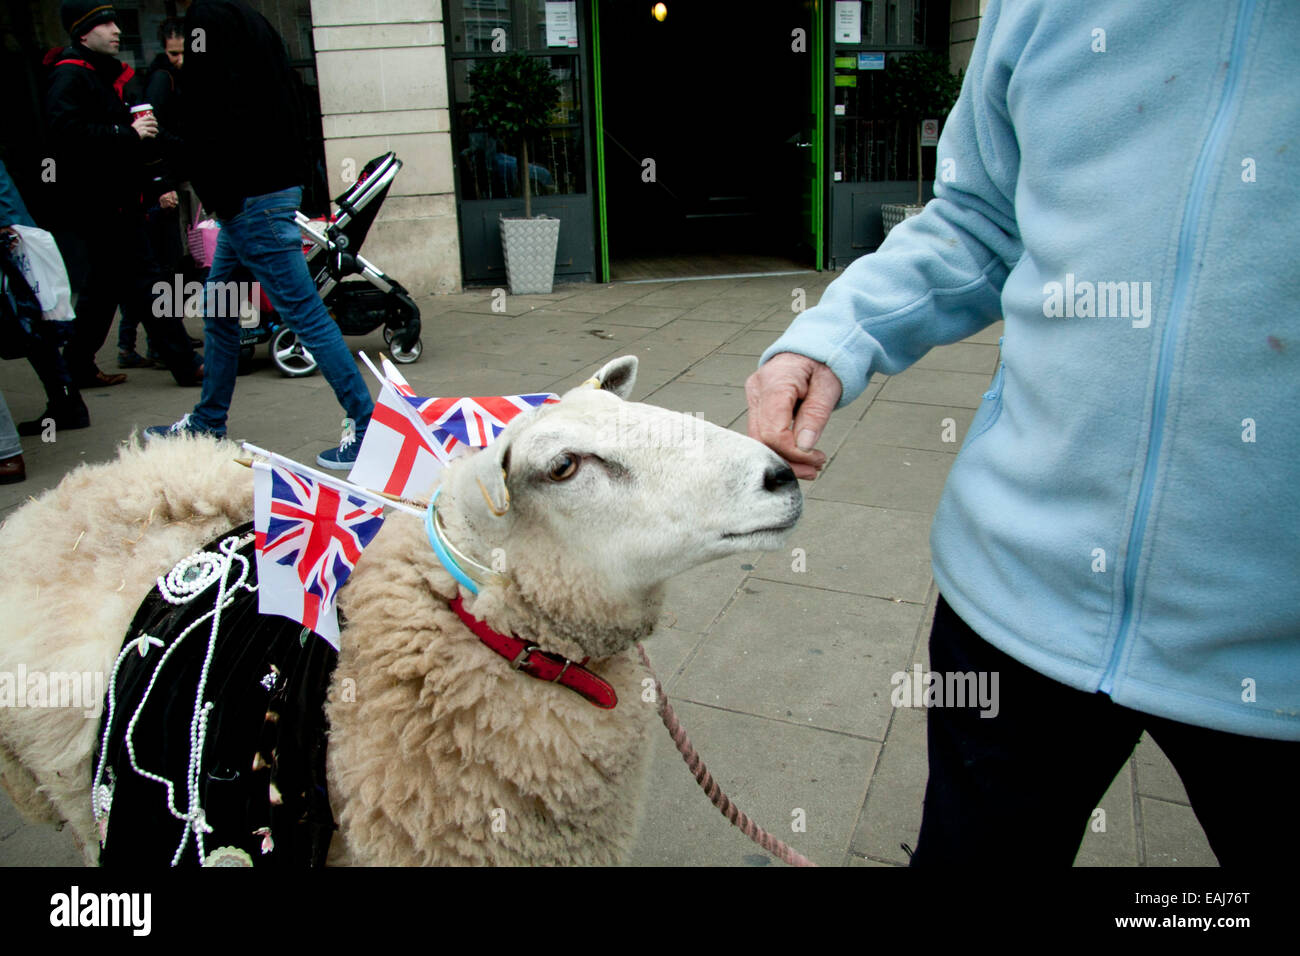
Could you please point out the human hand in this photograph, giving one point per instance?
(8, 236)
(790, 400)
(169, 200)
(145, 126)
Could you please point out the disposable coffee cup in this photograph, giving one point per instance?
(144, 109)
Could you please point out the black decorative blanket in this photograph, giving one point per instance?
(247, 773)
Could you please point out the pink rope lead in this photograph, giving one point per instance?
(705, 779)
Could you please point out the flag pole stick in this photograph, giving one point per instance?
(413, 502)
(338, 484)
(416, 502)
(383, 379)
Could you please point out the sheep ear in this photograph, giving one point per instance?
(618, 376)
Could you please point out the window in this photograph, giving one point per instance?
(872, 144)
(489, 167)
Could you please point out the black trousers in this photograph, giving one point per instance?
(1020, 788)
(120, 270)
(162, 232)
(47, 361)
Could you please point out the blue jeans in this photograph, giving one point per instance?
(9, 442)
(264, 239)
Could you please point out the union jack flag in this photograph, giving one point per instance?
(308, 538)
(474, 421)
(411, 438)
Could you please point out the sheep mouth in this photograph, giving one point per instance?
(776, 529)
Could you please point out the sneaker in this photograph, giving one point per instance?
(345, 456)
(133, 359)
(185, 426)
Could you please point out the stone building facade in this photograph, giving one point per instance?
(383, 85)
(376, 73)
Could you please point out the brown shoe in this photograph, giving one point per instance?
(12, 470)
(101, 380)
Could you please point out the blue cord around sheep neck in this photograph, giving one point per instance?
(440, 548)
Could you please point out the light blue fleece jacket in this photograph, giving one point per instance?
(1120, 181)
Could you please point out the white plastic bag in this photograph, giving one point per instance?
(38, 257)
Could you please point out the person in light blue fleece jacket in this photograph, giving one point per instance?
(1120, 182)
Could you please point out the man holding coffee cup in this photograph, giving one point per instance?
(98, 173)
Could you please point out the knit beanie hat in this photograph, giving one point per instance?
(82, 16)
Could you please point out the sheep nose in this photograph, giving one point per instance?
(778, 477)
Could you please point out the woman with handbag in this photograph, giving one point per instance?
(25, 332)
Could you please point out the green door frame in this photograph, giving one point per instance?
(602, 220)
(817, 194)
(818, 94)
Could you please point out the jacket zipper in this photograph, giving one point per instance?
(1186, 240)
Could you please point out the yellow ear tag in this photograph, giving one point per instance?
(593, 382)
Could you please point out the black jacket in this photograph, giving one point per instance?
(99, 169)
(163, 92)
(244, 130)
(165, 162)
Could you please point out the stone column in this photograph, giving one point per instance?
(964, 21)
(382, 71)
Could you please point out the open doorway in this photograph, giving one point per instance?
(708, 141)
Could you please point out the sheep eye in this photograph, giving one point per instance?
(563, 468)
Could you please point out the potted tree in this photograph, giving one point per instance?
(514, 97)
(917, 86)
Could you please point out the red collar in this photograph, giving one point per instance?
(541, 664)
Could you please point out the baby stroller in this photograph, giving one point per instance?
(332, 248)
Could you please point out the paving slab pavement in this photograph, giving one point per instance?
(779, 664)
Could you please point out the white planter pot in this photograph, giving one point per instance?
(529, 247)
(891, 214)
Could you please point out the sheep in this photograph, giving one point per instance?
(594, 502)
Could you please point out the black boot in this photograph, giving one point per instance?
(67, 410)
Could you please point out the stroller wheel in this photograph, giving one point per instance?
(400, 355)
(289, 355)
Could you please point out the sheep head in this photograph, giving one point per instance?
(589, 505)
